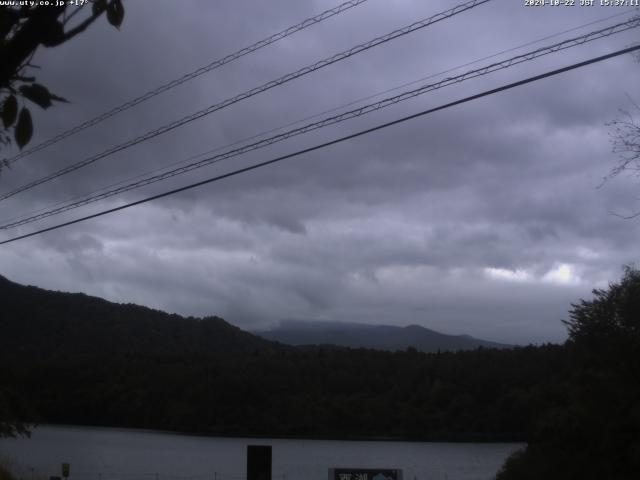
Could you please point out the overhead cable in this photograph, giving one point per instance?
(189, 76)
(250, 93)
(591, 36)
(315, 115)
(332, 142)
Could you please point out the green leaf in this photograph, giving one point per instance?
(98, 7)
(9, 111)
(24, 128)
(115, 13)
(37, 93)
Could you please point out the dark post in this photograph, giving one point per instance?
(258, 462)
(66, 468)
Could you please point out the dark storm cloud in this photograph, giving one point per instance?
(483, 219)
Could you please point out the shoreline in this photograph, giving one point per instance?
(335, 438)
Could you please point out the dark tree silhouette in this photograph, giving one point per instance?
(12, 412)
(625, 138)
(610, 322)
(22, 30)
(593, 430)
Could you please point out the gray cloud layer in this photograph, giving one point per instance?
(482, 219)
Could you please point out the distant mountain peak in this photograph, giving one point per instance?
(375, 336)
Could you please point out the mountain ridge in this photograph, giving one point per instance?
(42, 322)
(49, 323)
(376, 336)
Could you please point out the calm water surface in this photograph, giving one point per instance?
(114, 454)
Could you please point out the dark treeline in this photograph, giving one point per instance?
(83, 360)
(319, 392)
(591, 426)
(80, 360)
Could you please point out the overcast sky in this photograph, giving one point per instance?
(484, 219)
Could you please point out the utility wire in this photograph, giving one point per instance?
(311, 117)
(605, 32)
(254, 91)
(332, 142)
(335, 119)
(190, 76)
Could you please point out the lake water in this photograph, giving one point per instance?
(115, 454)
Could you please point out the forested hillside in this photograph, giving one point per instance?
(575, 404)
(39, 323)
(82, 360)
(317, 392)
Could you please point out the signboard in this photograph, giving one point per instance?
(65, 469)
(365, 474)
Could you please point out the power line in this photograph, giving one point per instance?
(335, 119)
(452, 69)
(69, 201)
(319, 114)
(311, 117)
(569, 43)
(315, 115)
(190, 76)
(254, 91)
(332, 142)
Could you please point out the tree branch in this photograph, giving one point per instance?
(25, 41)
(79, 28)
(71, 15)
